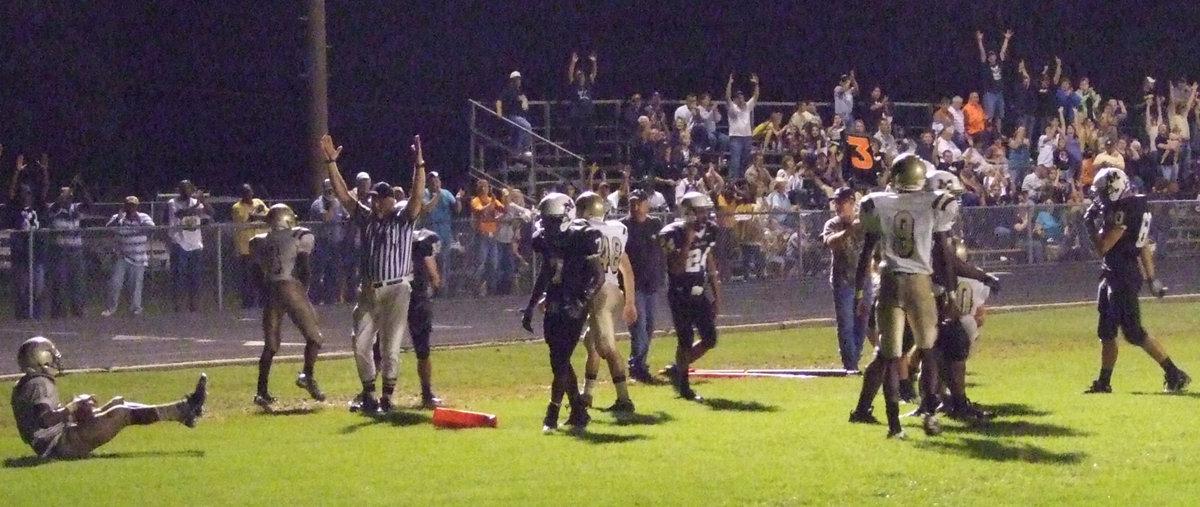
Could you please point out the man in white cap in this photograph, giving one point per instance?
(513, 106)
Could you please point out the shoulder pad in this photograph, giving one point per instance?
(942, 201)
(300, 231)
(867, 204)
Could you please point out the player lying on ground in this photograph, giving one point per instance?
(76, 429)
(1118, 224)
(284, 259)
(568, 278)
(600, 340)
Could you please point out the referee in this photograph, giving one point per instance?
(386, 291)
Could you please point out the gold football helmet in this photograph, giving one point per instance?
(908, 173)
(38, 355)
(589, 205)
(281, 217)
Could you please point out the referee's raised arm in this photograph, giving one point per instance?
(418, 185)
(335, 176)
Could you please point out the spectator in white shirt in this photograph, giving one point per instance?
(185, 214)
(843, 98)
(945, 142)
(741, 124)
(687, 112)
(706, 117)
(691, 182)
(887, 141)
(129, 268)
(1037, 184)
(956, 112)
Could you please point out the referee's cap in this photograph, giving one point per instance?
(381, 189)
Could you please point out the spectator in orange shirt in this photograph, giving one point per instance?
(486, 211)
(973, 115)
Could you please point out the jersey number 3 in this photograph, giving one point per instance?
(904, 241)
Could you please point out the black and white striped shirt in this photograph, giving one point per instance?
(387, 245)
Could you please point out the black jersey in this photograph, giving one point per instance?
(569, 255)
(425, 244)
(1133, 215)
(695, 270)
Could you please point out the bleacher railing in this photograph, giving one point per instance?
(758, 245)
(491, 149)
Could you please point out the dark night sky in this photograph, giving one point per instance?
(136, 95)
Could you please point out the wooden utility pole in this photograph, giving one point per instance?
(317, 72)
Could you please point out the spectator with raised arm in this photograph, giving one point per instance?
(583, 133)
(133, 254)
(66, 285)
(843, 98)
(514, 106)
(741, 121)
(876, 108)
(246, 212)
(992, 72)
(1047, 100)
(26, 211)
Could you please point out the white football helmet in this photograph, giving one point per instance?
(556, 210)
(695, 207)
(1110, 184)
(944, 181)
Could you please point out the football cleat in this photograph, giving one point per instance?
(688, 394)
(932, 426)
(1176, 383)
(969, 413)
(585, 400)
(621, 407)
(310, 384)
(430, 402)
(550, 422)
(867, 417)
(908, 392)
(1099, 387)
(365, 403)
(385, 405)
(194, 403)
(578, 420)
(264, 400)
(897, 435)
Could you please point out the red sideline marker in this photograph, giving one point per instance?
(457, 419)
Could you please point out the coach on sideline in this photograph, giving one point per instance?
(386, 291)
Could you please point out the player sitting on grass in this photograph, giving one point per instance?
(1118, 223)
(76, 429)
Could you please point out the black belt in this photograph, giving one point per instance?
(394, 281)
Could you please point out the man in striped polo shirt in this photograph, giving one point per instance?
(386, 291)
(132, 255)
(66, 268)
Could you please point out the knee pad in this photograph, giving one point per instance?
(953, 341)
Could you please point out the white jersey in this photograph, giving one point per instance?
(277, 251)
(905, 223)
(614, 237)
(972, 295)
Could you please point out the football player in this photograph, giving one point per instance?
(956, 338)
(76, 429)
(600, 340)
(1118, 223)
(283, 255)
(909, 224)
(568, 278)
(426, 246)
(693, 286)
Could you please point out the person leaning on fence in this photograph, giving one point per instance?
(248, 209)
(386, 288)
(28, 264)
(184, 215)
(66, 269)
(133, 254)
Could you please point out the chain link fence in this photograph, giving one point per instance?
(49, 277)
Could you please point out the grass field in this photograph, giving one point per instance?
(763, 441)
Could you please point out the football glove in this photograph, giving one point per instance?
(1157, 288)
(992, 282)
